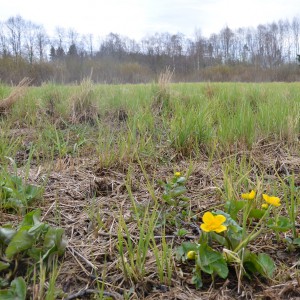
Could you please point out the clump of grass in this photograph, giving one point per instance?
(16, 94)
(189, 130)
(210, 91)
(53, 100)
(162, 92)
(83, 110)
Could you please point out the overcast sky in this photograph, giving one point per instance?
(137, 18)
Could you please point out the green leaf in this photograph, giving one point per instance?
(168, 199)
(281, 224)
(189, 246)
(37, 229)
(17, 290)
(181, 180)
(7, 295)
(3, 283)
(234, 231)
(54, 241)
(16, 182)
(21, 241)
(181, 232)
(35, 253)
(19, 287)
(296, 241)
(261, 263)
(37, 226)
(197, 280)
(17, 195)
(182, 250)
(218, 238)
(13, 203)
(32, 192)
(230, 222)
(8, 190)
(212, 261)
(256, 213)
(3, 265)
(31, 218)
(267, 264)
(6, 234)
(234, 206)
(178, 191)
(250, 262)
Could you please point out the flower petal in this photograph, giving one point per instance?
(266, 197)
(205, 227)
(249, 196)
(208, 218)
(219, 219)
(221, 228)
(252, 195)
(245, 196)
(274, 201)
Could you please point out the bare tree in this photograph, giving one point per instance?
(30, 35)
(226, 36)
(215, 47)
(42, 42)
(60, 37)
(199, 50)
(73, 36)
(15, 26)
(296, 33)
(4, 51)
(90, 43)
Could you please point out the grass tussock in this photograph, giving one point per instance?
(82, 106)
(17, 94)
(162, 92)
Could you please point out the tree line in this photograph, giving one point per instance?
(265, 53)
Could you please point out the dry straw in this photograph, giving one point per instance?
(17, 94)
(162, 94)
(82, 106)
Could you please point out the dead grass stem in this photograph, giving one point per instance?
(17, 94)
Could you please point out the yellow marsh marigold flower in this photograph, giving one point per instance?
(249, 196)
(264, 205)
(213, 223)
(272, 200)
(191, 255)
(177, 174)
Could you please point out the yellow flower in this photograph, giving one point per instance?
(177, 174)
(213, 223)
(272, 200)
(264, 205)
(249, 196)
(191, 255)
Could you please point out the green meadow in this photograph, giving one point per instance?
(162, 190)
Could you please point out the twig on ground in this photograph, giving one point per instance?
(73, 251)
(85, 292)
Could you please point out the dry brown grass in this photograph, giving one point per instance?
(17, 94)
(165, 78)
(162, 93)
(81, 104)
(79, 192)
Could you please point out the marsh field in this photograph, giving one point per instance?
(155, 191)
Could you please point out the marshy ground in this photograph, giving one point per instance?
(100, 155)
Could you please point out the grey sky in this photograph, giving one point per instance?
(137, 18)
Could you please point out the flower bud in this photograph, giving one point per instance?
(191, 255)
